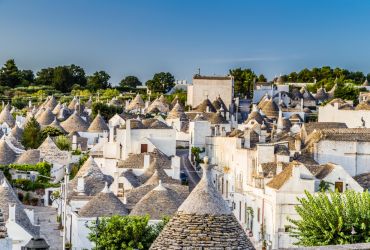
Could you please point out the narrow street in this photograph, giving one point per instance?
(47, 217)
(187, 168)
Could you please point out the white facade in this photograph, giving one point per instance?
(254, 203)
(211, 87)
(352, 118)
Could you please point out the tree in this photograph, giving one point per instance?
(62, 79)
(129, 82)
(63, 142)
(162, 82)
(243, 81)
(45, 76)
(50, 131)
(27, 77)
(331, 218)
(262, 78)
(78, 75)
(125, 232)
(99, 80)
(105, 110)
(31, 135)
(347, 92)
(9, 74)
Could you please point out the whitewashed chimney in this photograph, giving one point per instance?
(146, 161)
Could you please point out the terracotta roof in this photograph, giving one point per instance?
(98, 125)
(157, 203)
(104, 204)
(210, 219)
(75, 123)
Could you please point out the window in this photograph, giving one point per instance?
(144, 148)
(339, 186)
(120, 185)
(258, 214)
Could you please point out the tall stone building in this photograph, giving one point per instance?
(210, 87)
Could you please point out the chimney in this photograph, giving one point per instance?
(146, 161)
(296, 173)
(74, 142)
(298, 144)
(12, 212)
(247, 139)
(302, 104)
(279, 167)
(128, 138)
(207, 109)
(81, 186)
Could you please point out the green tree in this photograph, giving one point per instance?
(162, 82)
(31, 135)
(62, 79)
(124, 232)
(63, 142)
(347, 92)
(45, 76)
(50, 131)
(262, 78)
(243, 81)
(105, 110)
(99, 80)
(78, 75)
(329, 218)
(27, 77)
(129, 82)
(10, 74)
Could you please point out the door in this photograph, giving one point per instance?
(144, 148)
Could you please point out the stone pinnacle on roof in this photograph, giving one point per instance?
(212, 224)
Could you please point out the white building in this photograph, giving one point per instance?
(340, 111)
(261, 182)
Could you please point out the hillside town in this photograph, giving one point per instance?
(211, 169)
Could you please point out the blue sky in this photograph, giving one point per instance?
(143, 37)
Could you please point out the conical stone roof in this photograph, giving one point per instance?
(6, 116)
(212, 224)
(17, 132)
(7, 154)
(46, 117)
(51, 103)
(94, 178)
(158, 203)
(75, 123)
(136, 103)
(203, 106)
(104, 204)
(8, 197)
(98, 125)
(56, 124)
(31, 156)
(270, 109)
(73, 103)
(177, 112)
